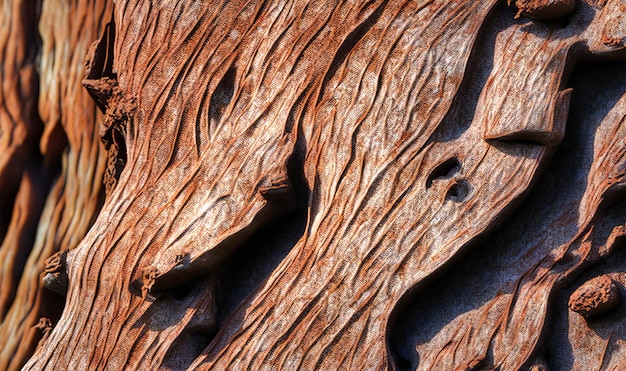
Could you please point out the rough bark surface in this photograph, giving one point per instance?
(312, 184)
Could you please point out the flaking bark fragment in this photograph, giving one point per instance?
(544, 9)
(148, 277)
(596, 296)
(55, 278)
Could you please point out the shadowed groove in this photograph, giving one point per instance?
(221, 97)
(348, 44)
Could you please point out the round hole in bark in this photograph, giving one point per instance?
(458, 191)
(444, 170)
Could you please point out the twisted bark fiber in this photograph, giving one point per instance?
(311, 185)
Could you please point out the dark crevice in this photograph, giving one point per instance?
(7, 198)
(182, 292)
(43, 177)
(241, 273)
(445, 170)
(348, 45)
(222, 95)
(115, 144)
(458, 191)
(200, 339)
(296, 112)
(171, 305)
(559, 23)
(295, 170)
(198, 126)
(256, 259)
(101, 83)
(259, 14)
(102, 65)
(522, 139)
(403, 364)
(220, 99)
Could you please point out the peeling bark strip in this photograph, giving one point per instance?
(412, 128)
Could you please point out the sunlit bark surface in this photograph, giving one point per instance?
(312, 184)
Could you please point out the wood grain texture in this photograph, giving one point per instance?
(18, 123)
(460, 169)
(61, 185)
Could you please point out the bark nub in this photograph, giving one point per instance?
(596, 296)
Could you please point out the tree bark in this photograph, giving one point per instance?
(312, 185)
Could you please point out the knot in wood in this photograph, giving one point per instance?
(56, 262)
(148, 277)
(614, 32)
(544, 9)
(116, 160)
(596, 296)
(44, 324)
(118, 110)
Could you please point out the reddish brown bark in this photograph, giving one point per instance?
(315, 185)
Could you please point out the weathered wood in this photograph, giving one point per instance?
(457, 186)
(61, 183)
